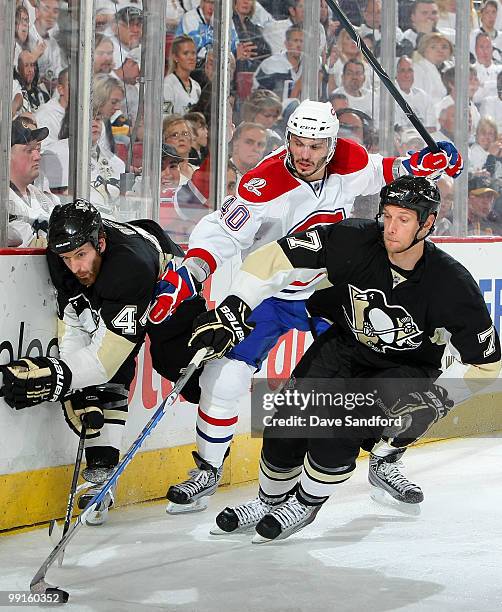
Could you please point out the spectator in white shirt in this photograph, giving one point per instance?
(50, 114)
(433, 51)
(127, 30)
(104, 15)
(486, 136)
(103, 54)
(449, 83)
(108, 98)
(486, 68)
(414, 96)
(353, 77)
(487, 19)
(181, 92)
(50, 62)
(424, 19)
(492, 105)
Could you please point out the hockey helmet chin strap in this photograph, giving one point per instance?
(416, 239)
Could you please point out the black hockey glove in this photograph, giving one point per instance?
(84, 406)
(222, 328)
(33, 380)
(418, 411)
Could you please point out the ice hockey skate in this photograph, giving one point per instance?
(391, 487)
(192, 494)
(284, 520)
(241, 518)
(95, 477)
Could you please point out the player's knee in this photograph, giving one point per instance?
(225, 380)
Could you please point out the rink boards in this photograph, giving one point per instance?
(37, 449)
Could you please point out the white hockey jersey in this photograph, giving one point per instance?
(272, 203)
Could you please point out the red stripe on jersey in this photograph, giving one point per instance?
(387, 169)
(217, 422)
(205, 255)
(300, 284)
(321, 218)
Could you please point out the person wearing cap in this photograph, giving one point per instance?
(105, 11)
(127, 30)
(129, 73)
(29, 207)
(481, 218)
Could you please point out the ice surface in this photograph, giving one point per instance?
(357, 556)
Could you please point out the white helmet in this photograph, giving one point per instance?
(314, 120)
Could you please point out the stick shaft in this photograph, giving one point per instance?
(384, 77)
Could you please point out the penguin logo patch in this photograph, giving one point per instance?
(380, 326)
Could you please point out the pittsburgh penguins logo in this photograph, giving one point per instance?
(380, 326)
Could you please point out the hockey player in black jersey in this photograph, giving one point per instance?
(395, 301)
(105, 274)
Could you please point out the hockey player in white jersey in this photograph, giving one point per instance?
(311, 181)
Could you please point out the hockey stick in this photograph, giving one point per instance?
(73, 489)
(384, 77)
(38, 584)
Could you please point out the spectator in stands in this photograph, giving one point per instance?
(108, 98)
(487, 70)
(22, 33)
(486, 136)
(433, 51)
(264, 107)
(198, 125)
(358, 126)
(371, 26)
(487, 20)
(424, 20)
(492, 105)
(181, 92)
(493, 165)
(127, 31)
(353, 77)
(256, 48)
(103, 54)
(175, 9)
(249, 143)
(414, 96)
(345, 50)
(51, 61)
(331, 26)
(198, 24)
(407, 138)
(176, 132)
(339, 101)
(170, 175)
(446, 122)
(443, 225)
(105, 14)
(449, 82)
(447, 15)
(51, 114)
(34, 94)
(281, 73)
(129, 74)
(29, 207)
(481, 218)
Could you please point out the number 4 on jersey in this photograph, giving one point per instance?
(126, 320)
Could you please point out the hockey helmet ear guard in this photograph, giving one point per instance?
(72, 225)
(414, 193)
(314, 120)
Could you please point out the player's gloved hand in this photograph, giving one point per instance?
(33, 380)
(84, 407)
(173, 288)
(418, 411)
(432, 165)
(222, 328)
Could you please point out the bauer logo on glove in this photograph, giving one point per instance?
(33, 380)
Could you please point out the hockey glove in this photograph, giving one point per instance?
(84, 407)
(173, 288)
(33, 380)
(432, 165)
(222, 328)
(418, 411)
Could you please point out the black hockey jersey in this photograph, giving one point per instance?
(397, 317)
(101, 327)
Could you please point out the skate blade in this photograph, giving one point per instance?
(217, 531)
(196, 506)
(386, 500)
(258, 539)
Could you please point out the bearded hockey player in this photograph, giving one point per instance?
(311, 181)
(394, 296)
(105, 274)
